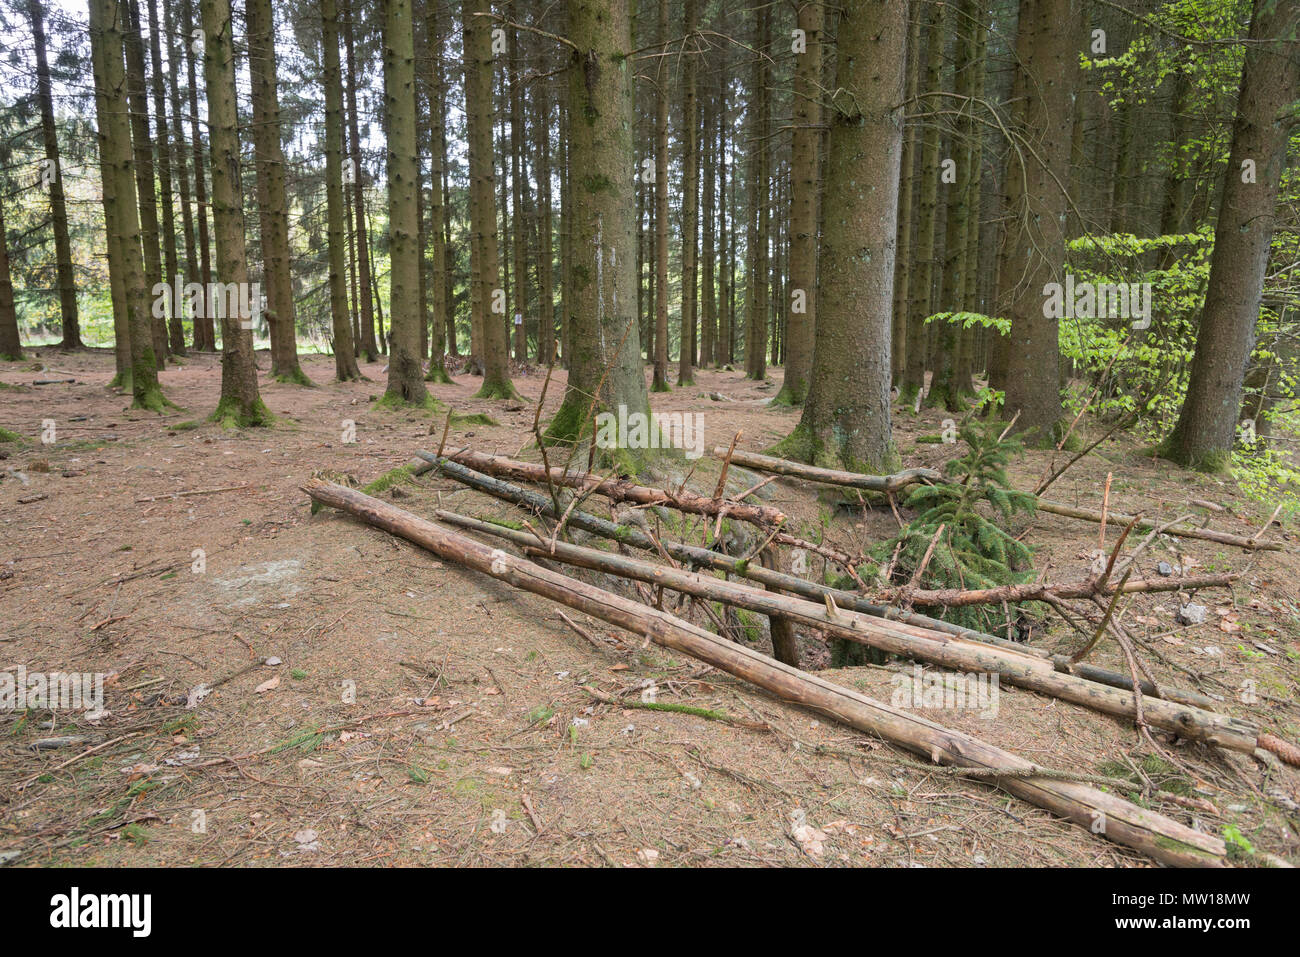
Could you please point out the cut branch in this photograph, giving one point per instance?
(873, 483)
(616, 490)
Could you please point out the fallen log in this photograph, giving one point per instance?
(873, 483)
(1016, 667)
(1035, 591)
(754, 571)
(1120, 821)
(1205, 534)
(616, 490)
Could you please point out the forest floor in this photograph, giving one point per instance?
(422, 714)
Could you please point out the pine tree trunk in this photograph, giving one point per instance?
(1206, 429)
(605, 371)
(108, 19)
(726, 232)
(944, 389)
(483, 213)
(801, 306)
(846, 417)
(662, 76)
(175, 331)
(361, 238)
(757, 274)
(11, 348)
(53, 178)
(146, 187)
(440, 319)
(906, 207)
(923, 249)
(240, 404)
(179, 149)
(272, 203)
(546, 240)
(566, 244)
(690, 140)
(205, 334)
(345, 359)
(708, 254)
(113, 255)
(517, 176)
(406, 315)
(1047, 47)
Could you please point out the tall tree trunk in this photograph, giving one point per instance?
(146, 188)
(662, 75)
(114, 251)
(726, 232)
(272, 203)
(53, 179)
(944, 390)
(922, 248)
(605, 371)
(566, 244)
(708, 254)
(483, 214)
(176, 332)
(179, 149)
(517, 178)
(906, 207)
(240, 404)
(345, 358)
(845, 418)
(1047, 45)
(760, 185)
(441, 322)
(205, 334)
(11, 348)
(690, 140)
(368, 344)
(406, 313)
(801, 309)
(546, 241)
(108, 20)
(1206, 428)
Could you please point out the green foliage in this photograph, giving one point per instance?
(971, 320)
(974, 549)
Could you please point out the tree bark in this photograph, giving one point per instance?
(240, 404)
(272, 203)
(1206, 429)
(689, 136)
(923, 247)
(1047, 47)
(11, 348)
(483, 213)
(345, 359)
(205, 334)
(179, 150)
(441, 323)
(71, 329)
(108, 19)
(366, 316)
(800, 306)
(846, 418)
(662, 75)
(145, 184)
(757, 272)
(605, 370)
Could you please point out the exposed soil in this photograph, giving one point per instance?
(429, 715)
